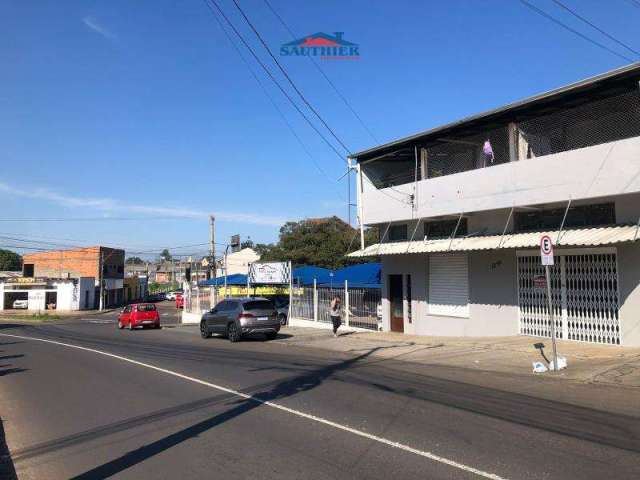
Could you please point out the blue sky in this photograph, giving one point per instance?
(114, 109)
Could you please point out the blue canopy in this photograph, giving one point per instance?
(305, 275)
(235, 279)
(366, 275)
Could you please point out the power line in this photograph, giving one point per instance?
(286, 75)
(209, 4)
(610, 37)
(322, 72)
(572, 30)
(94, 219)
(273, 102)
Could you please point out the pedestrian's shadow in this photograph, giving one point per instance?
(284, 389)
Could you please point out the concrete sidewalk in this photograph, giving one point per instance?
(587, 363)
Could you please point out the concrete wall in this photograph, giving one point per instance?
(597, 171)
(629, 278)
(493, 297)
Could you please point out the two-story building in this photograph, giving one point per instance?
(461, 209)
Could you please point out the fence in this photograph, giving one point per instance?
(360, 305)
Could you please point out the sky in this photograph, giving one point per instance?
(127, 123)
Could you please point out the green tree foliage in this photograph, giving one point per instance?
(165, 255)
(318, 241)
(10, 260)
(134, 261)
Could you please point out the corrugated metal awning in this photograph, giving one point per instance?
(583, 237)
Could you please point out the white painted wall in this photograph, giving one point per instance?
(602, 170)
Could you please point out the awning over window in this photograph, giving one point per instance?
(583, 237)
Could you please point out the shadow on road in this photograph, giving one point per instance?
(7, 470)
(281, 390)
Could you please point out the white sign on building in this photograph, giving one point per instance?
(269, 272)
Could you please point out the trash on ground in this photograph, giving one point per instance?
(539, 367)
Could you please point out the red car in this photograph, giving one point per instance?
(179, 300)
(139, 315)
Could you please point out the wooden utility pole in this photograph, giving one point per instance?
(212, 247)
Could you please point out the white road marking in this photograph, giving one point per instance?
(360, 433)
(102, 321)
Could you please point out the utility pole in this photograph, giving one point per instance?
(212, 247)
(101, 277)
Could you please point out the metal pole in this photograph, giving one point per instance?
(290, 290)
(346, 303)
(226, 273)
(101, 280)
(248, 279)
(359, 191)
(315, 301)
(564, 219)
(551, 319)
(212, 247)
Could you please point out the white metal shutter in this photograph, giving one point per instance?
(449, 285)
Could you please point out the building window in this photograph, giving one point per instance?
(27, 270)
(445, 228)
(551, 219)
(449, 285)
(397, 233)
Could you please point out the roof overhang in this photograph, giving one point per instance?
(585, 237)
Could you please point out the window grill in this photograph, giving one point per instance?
(594, 123)
(459, 154)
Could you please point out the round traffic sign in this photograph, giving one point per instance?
(546, 245)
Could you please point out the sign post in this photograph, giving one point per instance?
(546, 255)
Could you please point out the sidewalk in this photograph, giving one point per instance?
(587, 363)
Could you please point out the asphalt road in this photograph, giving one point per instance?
(168, 404)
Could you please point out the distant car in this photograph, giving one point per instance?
(139, 315)
(179, 300)
(171, 295)
(238, 317)
(21, 304)
(282, 306)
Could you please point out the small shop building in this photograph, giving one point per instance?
(41, 294)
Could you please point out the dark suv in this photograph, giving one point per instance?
(237, 317)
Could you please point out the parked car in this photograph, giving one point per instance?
(179, 300)
(139, 315)
(282, 306)
(21, 304)
(238, 317)
(171, 295)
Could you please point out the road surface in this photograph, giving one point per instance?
(168, 404)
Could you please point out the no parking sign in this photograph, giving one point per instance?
(546, 250)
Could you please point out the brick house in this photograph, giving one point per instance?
(82, 262)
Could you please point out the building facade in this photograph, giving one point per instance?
(104, 264)
(461, 210)
(62, 294)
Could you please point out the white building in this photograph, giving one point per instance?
(238, 262)
(48, 293)
(461, 209)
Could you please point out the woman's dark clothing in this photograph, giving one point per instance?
(337, 321)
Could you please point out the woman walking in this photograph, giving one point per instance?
(335, 312)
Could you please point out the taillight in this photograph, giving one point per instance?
(246, 315)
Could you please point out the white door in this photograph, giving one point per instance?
(584, 291)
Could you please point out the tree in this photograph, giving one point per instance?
(324, 242)
(248, 243)
(134, 261)
(165, 255)
(10, 260)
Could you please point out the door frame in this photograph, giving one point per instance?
(401, 299)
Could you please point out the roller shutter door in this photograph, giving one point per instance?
(449, 285)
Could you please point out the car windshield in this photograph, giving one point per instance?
(258, 305)
(147, 307)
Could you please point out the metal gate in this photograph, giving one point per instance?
(584, 292)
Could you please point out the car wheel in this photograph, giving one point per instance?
(271, 335)
(283, 319)
(204, 331)
(120, 325)
(233, 332)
